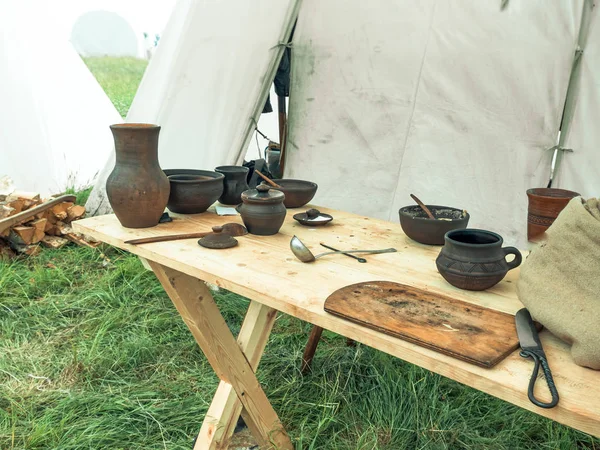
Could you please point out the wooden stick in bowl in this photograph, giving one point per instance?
(268, 180)
(423, 207)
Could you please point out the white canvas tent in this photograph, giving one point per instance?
(55, 116)
(455, 101)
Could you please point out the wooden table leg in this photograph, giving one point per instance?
(225, 409)
(311, 347)
(195, 304)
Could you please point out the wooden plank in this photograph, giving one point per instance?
(222, 416)
(300, 290)
(465, 331)
(196, 306)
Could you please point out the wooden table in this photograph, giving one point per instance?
(300, 290)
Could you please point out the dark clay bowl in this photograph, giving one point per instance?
(416, 225)
(193, 191)
(297, 192)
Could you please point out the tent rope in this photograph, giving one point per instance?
(282, 44)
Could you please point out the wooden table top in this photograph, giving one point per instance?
(264, 269)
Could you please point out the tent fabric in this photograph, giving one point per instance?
(579, 171)
(55, 115)
(456, 102)
(207, 82)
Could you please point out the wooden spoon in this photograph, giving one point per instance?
(423, 207)
(268, 180)
(232, 229)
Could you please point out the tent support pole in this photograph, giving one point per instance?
(572, 91)
(282, 135)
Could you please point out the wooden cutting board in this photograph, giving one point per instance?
(463, 330)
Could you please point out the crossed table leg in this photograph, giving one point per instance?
(233, 362)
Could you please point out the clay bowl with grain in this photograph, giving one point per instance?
(417, 226)
(297, 192)
(193, 191)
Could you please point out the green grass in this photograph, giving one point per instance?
(93, 355)
(119, 77)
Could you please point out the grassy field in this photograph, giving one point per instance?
(94, 356)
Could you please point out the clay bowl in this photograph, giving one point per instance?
(193, 191)
(297, 192)
(417, 226)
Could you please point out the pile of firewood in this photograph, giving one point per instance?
(48, 228)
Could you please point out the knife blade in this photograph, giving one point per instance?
(531, 347)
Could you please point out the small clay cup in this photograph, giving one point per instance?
(545, 204)
(474, 259)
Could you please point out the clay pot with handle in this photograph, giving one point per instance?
(475, 259)
(235, 182)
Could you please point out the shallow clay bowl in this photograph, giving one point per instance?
(193, 191)
(417, 226)
(297, 192)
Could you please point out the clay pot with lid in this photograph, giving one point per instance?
(262, 210)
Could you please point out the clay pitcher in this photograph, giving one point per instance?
(544, 206)
(137, 188)
(234, 184)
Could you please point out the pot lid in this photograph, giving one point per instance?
(313, 217)
(218, 240)
(263, 194)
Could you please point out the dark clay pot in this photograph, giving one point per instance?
(545, 204)
(474, 259)
(421, 228)
(235, 182)
(263, 211)
(137, 188)
(297, 192)
(193, 191)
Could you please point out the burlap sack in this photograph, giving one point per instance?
(560, 280)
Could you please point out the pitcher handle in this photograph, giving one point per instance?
(518, 257)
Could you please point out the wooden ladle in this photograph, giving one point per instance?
(423, 207)
(268, 180)
(232, 229)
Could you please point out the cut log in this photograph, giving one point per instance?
(17, 205)
(24, 195)
(40, 230)
(54, 242)
(60, 210)
(23, 216)
(29, 199)
(63, 228)
(75, 212)
(21, 235)
(39, 224)
(6, 211)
